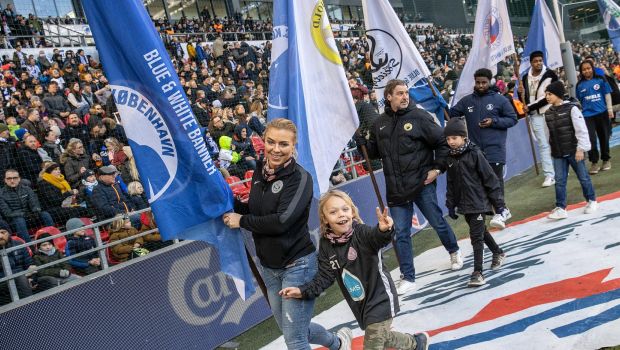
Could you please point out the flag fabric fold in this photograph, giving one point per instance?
(423, 96)
(309, 86)
(543, 36)
(610, 11)
(187, 193)
(392, 52)
(492, 42)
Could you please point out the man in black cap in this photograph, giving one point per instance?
(108, 198)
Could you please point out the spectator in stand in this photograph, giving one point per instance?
(52, 146)
(137, 195)
(121, 229)
(55, 275)
(8, 149)
(55, 103)
(34, 125)
(250, 120)
(69, 75)
(77, 100)
(243, 146)
(19, 260)
(75, 162)
(57, 197)
(58, 79)
(114, 129)
(20, 206)
(43, 62)
(79, 242)
(201, 111)
(108, 198)
(75, 129)
(29, 159)
(218, 128)
(118, 158)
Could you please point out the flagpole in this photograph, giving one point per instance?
(527, 117)
(373, 179)
(432, 86)
(567, 52)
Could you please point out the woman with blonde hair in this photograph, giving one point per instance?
(277, 215)
(118, 158)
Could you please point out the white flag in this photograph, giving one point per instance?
(392, 52)
(492, 42)
(309, 87)
(543, 36)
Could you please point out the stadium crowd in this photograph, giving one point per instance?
(66, 160)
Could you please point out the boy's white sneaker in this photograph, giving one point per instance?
(591, 207)
(499, 219)
(456, 260)
(558, 214)
(549, 181)
(405, 287)
(346, 338)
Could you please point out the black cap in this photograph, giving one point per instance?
(455, 127)
(557, 88)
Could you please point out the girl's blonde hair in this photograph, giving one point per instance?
(132, 187)
(119, 223)
(342, 195)
(282, 124)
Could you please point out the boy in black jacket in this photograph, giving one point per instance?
(350, 253)
(472, 188)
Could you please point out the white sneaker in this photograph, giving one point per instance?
(591, 207)
(499, 220)
(558, 214)
(346, 338)
(549, 181)
(405, 287)
(456, 260)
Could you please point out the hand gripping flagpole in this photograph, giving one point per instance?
(527, 117)
(371, 172)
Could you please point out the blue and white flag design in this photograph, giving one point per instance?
(309, 87)
(492, 42)
(543, 36)
(392, 52)
(423, 96)
(186, 191)
(610, 11)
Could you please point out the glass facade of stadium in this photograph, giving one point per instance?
(578, 15)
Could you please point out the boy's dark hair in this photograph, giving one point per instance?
(484, 72)
(536, 54)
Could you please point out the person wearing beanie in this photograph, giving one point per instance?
(473, 190)
(54, 275)
(19, 260)
(569, 140)
(532, 88)
(488, 115)
(80, 242)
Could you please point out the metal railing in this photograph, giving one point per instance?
(100, 249)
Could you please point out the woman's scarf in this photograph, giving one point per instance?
(269, 174)
(57, 181)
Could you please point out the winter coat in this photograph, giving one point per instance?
(410, 144)
(473, 187)
(121, 252)
(362, 276)
(29, 164)
(547, 78)
(51, 197)
(78, 244)
(72, 168)
(76, 132)
(110, 200)
(41, 258)
(277, 215)
(19, 259)
(55, 104)
(18, 201)
(491, 140)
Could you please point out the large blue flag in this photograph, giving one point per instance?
(187, 193)
(543, 36)
(433, 103)
(309, 86)
(611, 16)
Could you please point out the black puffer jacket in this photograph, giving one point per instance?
(18, 201)
(562, 137)
(410, 144)
(29, 164)
(473, 187)
(277, 215)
